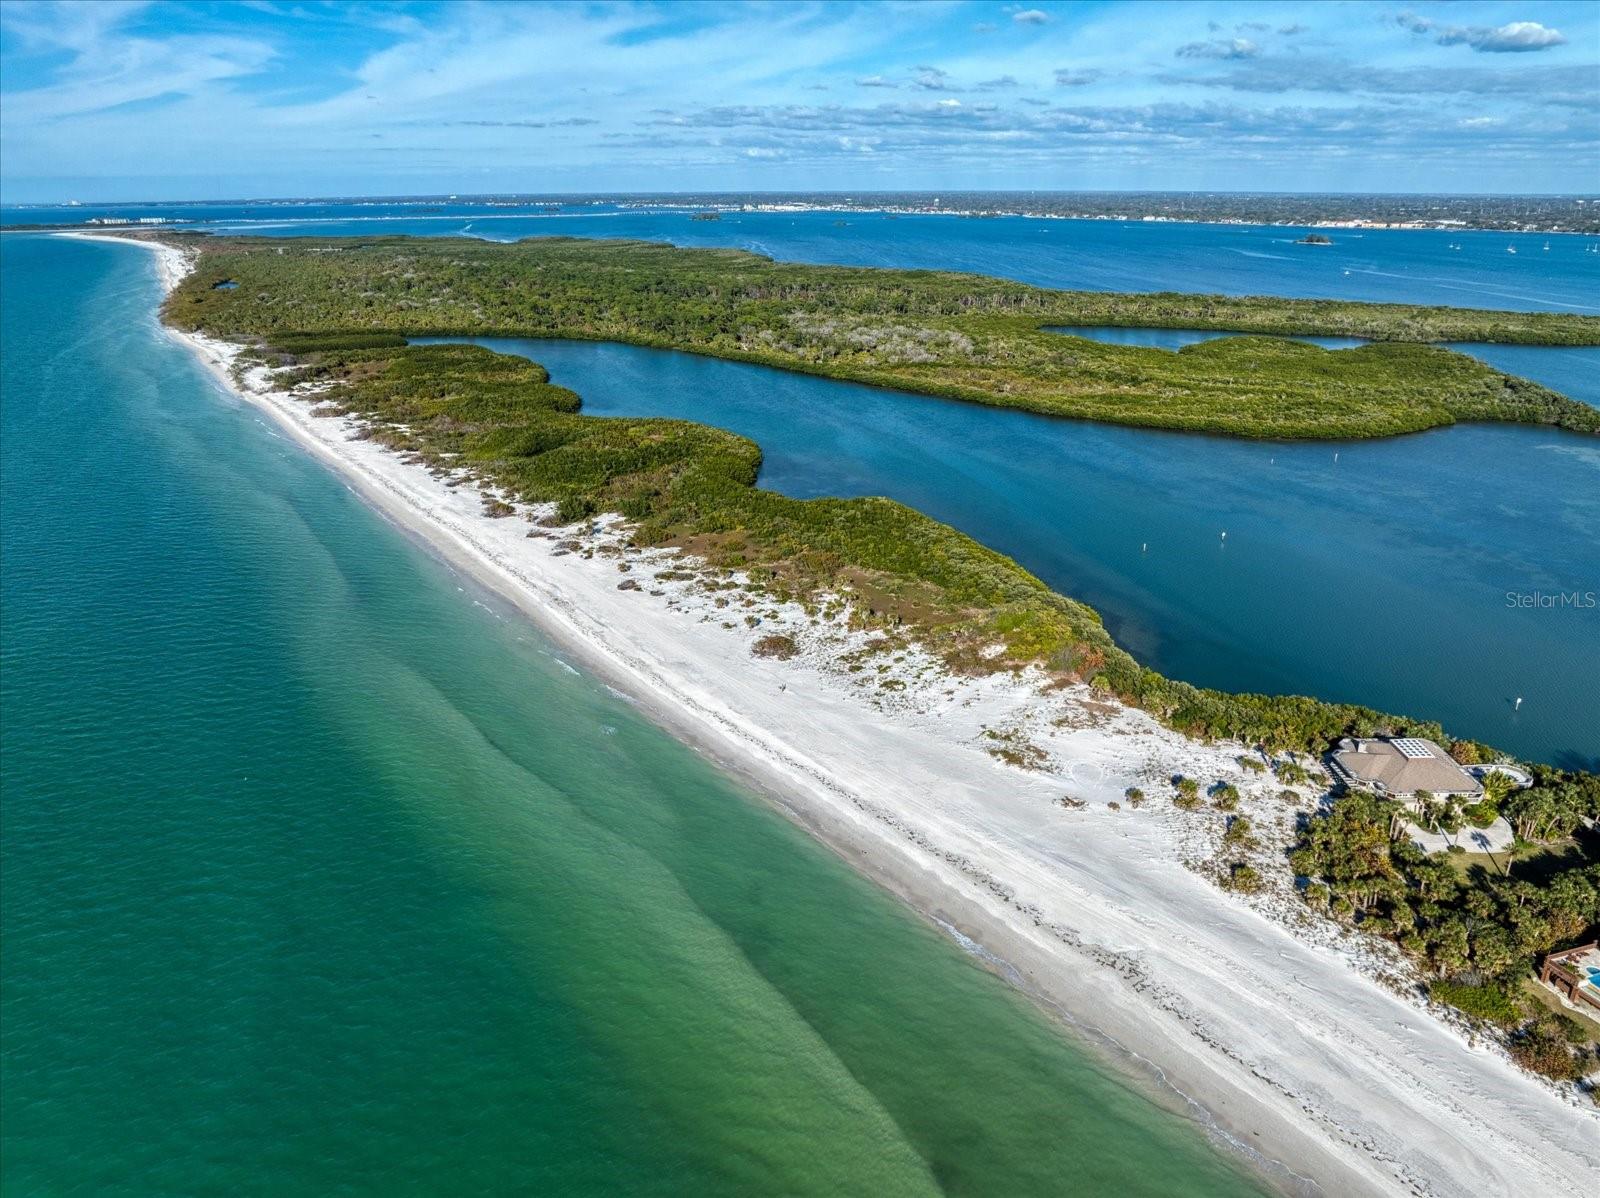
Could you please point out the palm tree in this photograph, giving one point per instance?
(1497, 785)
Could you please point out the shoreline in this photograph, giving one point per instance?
(1284, 1040)
(667, 204)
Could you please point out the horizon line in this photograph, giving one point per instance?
(1579, 196)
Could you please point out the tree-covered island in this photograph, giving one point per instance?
(955, 336)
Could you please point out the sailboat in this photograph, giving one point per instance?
(1511, 249)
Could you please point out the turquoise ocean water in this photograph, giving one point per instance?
(324, 874)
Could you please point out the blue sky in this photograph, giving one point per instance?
(111, 100)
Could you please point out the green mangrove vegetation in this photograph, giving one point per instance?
(955, 336)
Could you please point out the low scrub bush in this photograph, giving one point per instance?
(776, 645)
(1489, 1002)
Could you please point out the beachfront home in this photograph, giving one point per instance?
(1575, 975)
(1399, 767)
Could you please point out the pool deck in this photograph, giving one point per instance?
(1575, 976)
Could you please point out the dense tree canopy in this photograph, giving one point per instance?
(957, 336)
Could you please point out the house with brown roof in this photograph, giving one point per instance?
(1399, 767)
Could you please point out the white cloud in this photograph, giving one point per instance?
(1516, 37)
(108, 68)
(79, 27)
(1223, 48)
(595, 94)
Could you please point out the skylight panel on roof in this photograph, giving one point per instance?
(1416, 750)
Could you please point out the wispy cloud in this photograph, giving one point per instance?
(571, 122)
(1067, 77)
(1221, 48)
(104, 67)
(1513, 38)
(501, 96)
(990, 130)
(1566, 87)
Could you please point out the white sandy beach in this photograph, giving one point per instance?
(1278, 1026)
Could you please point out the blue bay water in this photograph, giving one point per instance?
(1375, 572)
(1391, 265)
(324, 874)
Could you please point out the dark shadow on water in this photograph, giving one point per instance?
(1575, 759)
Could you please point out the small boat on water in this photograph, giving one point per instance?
(1511, 249)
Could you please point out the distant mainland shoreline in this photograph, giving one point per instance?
(1575, 214)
